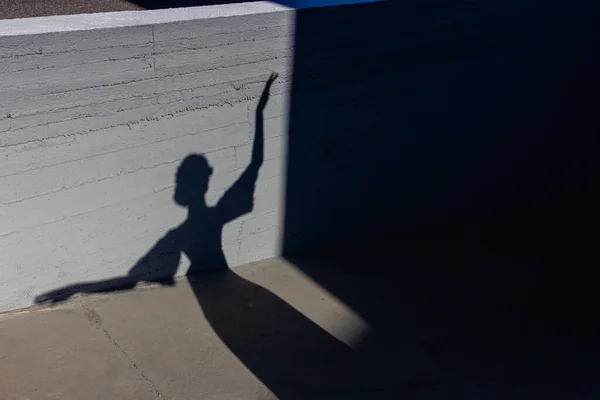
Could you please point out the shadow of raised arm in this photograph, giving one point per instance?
(238, 199)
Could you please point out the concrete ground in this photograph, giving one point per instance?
(410, 319)
(263, 331)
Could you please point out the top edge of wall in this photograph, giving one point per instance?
(82, 22)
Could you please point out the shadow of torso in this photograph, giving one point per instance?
(294, 357)
(290, 354)
(198, 237)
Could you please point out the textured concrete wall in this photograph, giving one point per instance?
(94, 124)
(401, 115)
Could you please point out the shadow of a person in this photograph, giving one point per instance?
(291, 355)
(199, 236)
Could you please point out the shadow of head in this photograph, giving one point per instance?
(191, 180)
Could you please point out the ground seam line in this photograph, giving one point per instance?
(96, 321)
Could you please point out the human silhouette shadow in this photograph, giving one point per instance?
(291, 355)
(199, 236)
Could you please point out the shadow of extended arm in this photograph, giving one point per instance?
(238, 200)
(158, 265)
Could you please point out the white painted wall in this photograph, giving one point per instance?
(94, 123)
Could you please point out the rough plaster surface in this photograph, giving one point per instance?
(94, 123)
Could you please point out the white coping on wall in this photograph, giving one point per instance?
(80, 22)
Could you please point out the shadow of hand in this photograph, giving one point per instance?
(264, 98)
(110, 285)
(59, 295)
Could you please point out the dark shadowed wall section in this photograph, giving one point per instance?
(437, 121)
